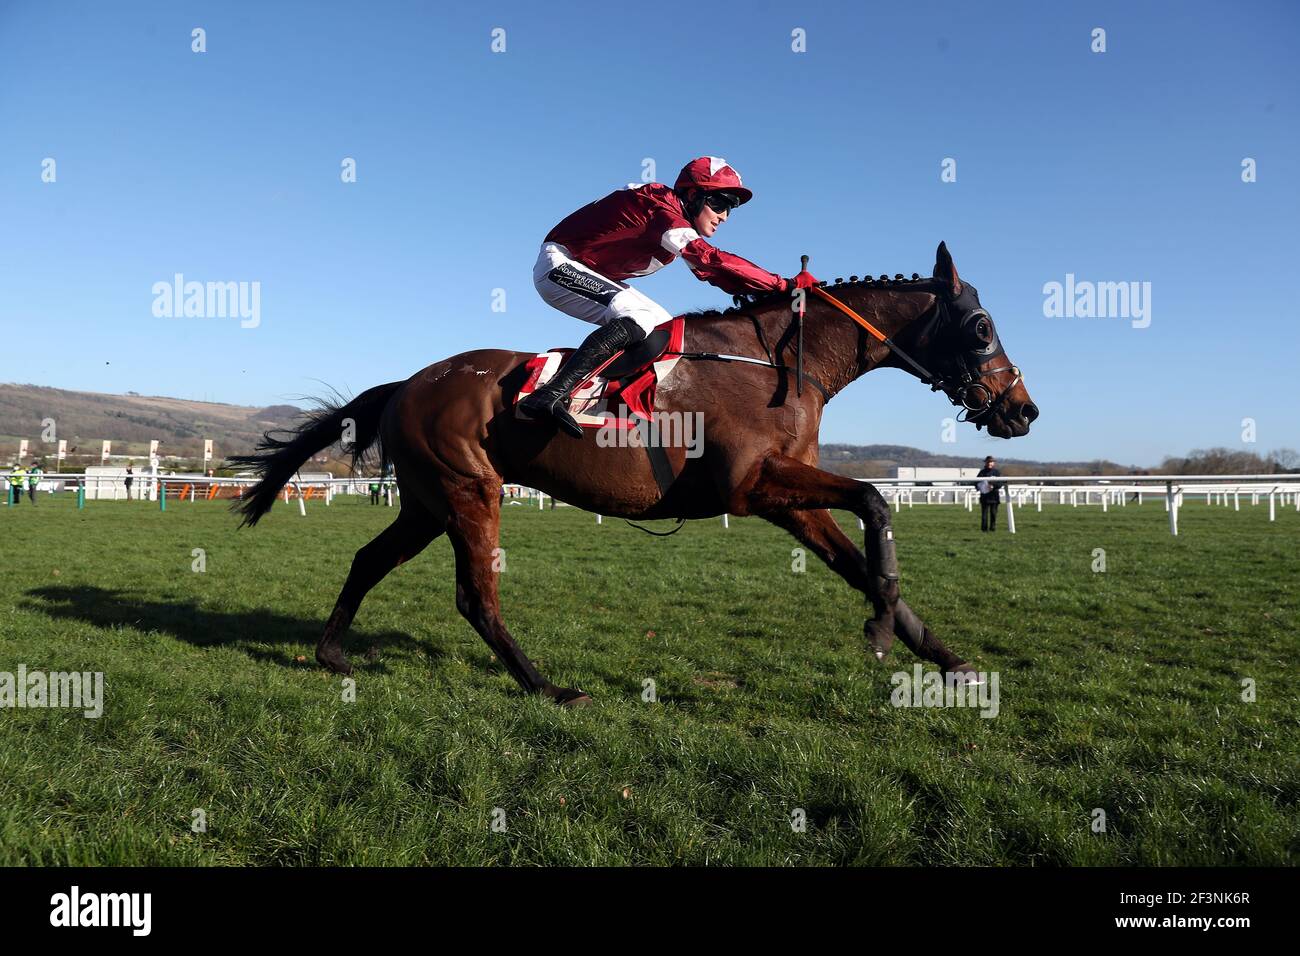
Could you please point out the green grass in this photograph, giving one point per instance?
(1120, 691)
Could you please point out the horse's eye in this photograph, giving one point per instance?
(980, 333)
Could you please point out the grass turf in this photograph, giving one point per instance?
(1119, 691)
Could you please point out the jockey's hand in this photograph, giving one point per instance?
(803, 280)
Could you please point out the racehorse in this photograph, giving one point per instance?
(453, 437)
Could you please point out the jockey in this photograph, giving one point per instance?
(634, 232)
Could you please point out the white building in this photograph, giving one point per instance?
(936, 474)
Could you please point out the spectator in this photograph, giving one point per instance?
(374, 492)
(16, 483)
(33, 479)
(130, 477)
(988, 495)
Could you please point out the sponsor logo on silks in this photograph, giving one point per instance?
(592, 287)
(78, 690)
(661, 430)
(134, 910)
(933, 689)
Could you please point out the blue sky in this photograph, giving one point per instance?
(225, 166)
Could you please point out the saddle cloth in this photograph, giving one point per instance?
(595, 403)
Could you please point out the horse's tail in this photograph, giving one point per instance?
(280, 455)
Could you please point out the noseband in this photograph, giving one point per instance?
(977, 343)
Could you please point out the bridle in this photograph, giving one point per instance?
(978, 343)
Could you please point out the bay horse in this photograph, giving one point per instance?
(451, 433)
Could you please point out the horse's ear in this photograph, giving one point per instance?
(945, 271)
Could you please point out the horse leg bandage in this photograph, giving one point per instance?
(888, 556)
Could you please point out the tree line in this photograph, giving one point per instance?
(1230, 461)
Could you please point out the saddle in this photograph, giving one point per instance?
(629, 379)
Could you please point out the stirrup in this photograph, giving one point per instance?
(539, 410)
(595, 352)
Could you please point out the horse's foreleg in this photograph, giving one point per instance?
(780, 484)
(819, 532)
(923, 642)
(473, 527)
(402, 540)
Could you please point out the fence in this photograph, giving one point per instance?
(1105, 491)
(1108, 491)
(147, 486)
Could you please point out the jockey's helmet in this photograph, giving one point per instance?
(707, 175)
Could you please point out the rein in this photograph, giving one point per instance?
(964, 388)
(917, 367)
(968, 389)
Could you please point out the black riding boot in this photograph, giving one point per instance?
(552, 399)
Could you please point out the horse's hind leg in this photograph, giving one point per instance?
(473, 526)
(402, 540)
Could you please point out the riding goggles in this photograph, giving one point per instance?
(721, 201)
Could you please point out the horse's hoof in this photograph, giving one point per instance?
(965, 674)
(571, 697)
(335, 662)
(879, 638)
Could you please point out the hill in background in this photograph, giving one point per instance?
(130, 421)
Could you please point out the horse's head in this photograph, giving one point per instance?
(960, 346)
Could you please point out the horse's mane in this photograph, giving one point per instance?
(748, 303)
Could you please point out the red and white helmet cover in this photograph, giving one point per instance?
(708, 173)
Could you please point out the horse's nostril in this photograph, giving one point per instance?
(1029, 411)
